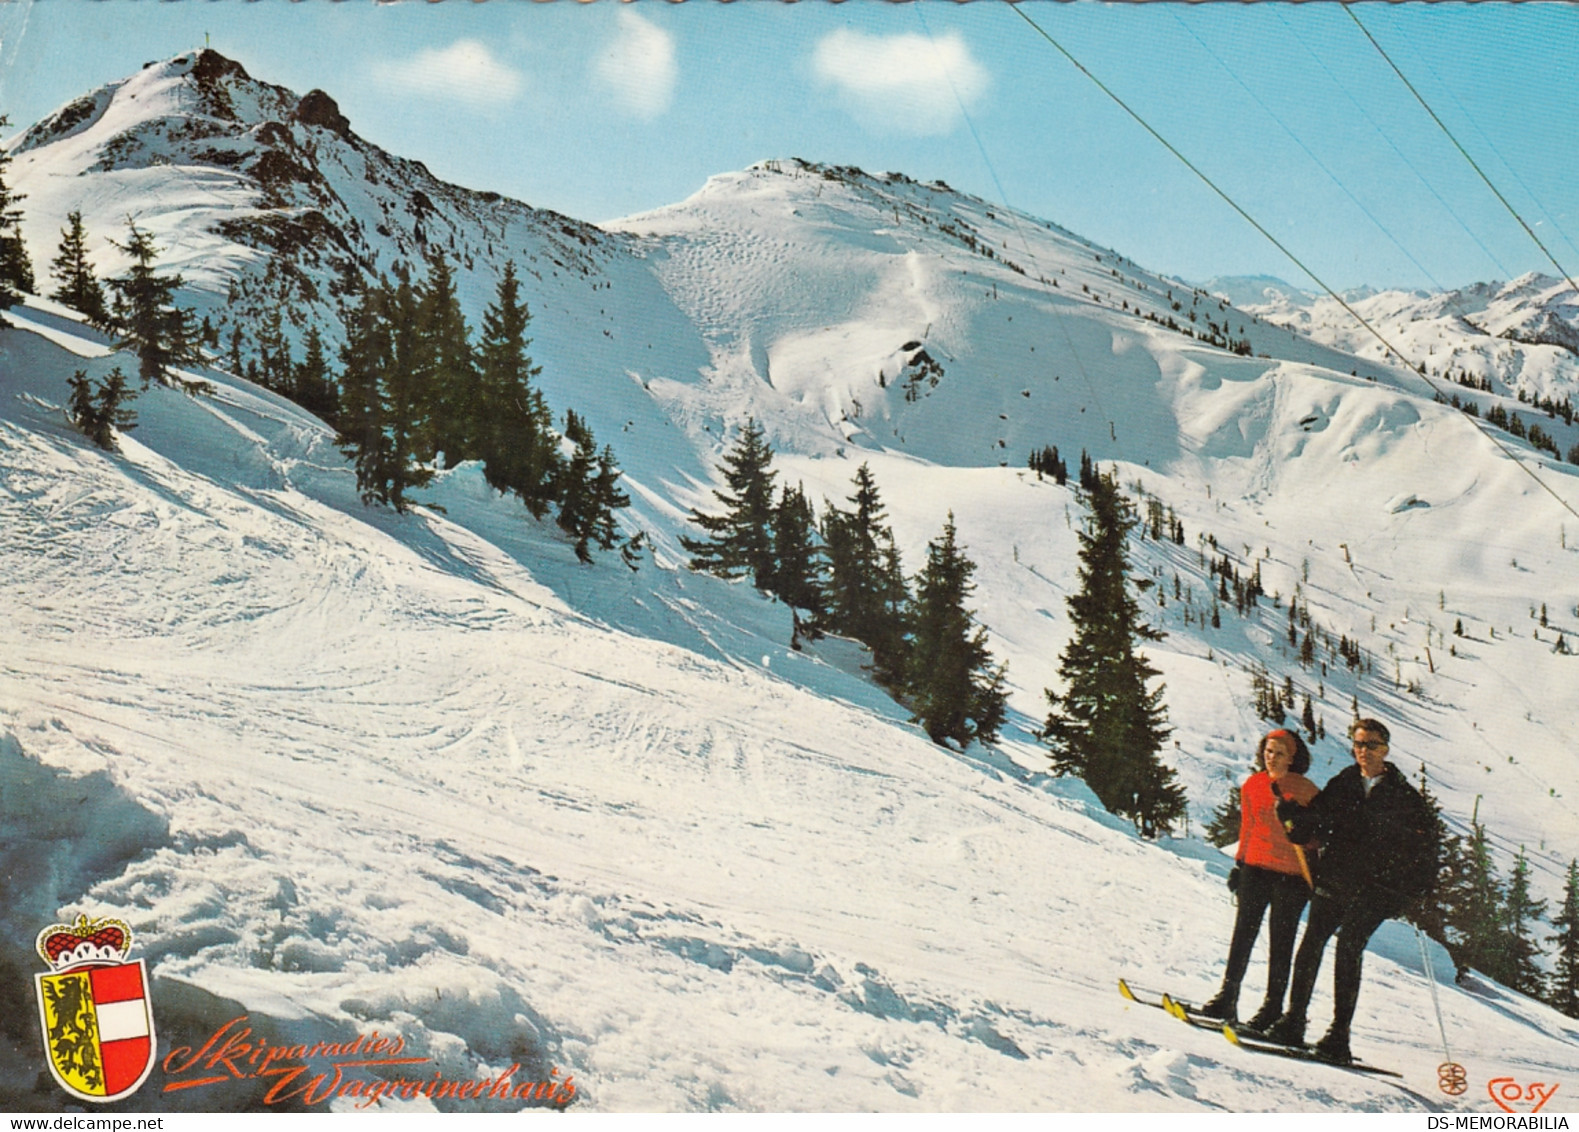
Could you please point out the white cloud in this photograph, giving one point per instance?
(465, 71)
(638, 66)
(908, 83)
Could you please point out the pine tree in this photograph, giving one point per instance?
(1481, 922)
(364, 358)
(951, 684)
(445, 368)
(79, 288)
(513, 429)
(98, 412)
(1443, 913)
(379, 409)
(145, 316)
(799, 568)
(16, 269)
(407, 399)
(607, 498)
(1108, 727)
(867, 594)
(1223, 829)
(589, 492)
(741, 539)
(1563, 986)
(1520, 914)
(313, 388)
(80, 407)
(276, 368)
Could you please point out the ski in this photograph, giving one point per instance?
(1301, 1053)
(1125, 990)
(1188, 1014)
(1180, 1010)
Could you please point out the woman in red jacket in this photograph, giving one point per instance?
(1271, 872)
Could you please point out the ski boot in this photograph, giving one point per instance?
(1289, 1030)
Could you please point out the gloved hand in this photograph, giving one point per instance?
(1233, 879)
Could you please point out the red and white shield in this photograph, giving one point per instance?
(97, 1025)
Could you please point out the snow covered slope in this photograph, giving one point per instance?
(345, 770)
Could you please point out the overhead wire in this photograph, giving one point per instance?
(1336, 180)
(1019, 10)
(1348, 8)
(1003, 196)
(1401, 155)
(1506, 164)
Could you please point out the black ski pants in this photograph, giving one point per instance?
(1259, 890)
(1354, 922)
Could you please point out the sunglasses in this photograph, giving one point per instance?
(1369, 745)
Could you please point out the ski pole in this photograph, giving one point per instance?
(1450, 1075)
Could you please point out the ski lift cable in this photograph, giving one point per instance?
(1337, 298)
(1014, 219)
(1322, 166)
(1456, 145)
(1402, 156)
(1492, 145)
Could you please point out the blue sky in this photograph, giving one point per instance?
(602, 110)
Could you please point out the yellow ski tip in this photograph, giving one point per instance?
(1229, 1033)
(1123, 989)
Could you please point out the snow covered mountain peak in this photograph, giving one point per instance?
(264, 199)
(170, 108)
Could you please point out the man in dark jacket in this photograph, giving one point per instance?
(1378, 853)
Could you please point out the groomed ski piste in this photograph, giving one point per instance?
(347, 770)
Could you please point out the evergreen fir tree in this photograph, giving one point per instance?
(145, 316)
(589, 490)
(1563, 986)
(1481, 922)
(1443, 912)
(799, 568)
(99, 412)
(82, 410)
(631, 548)
(314, 389)
(1108, 727)
(607, 498)
(276, 369)
(1223, 829)
(891, 643)
(363, 413)
(1520, 914)
(740, 541)
(867, 594)
(16, 269)
(79, 288)
(407, 399)
(445, 368)
(379, 408)
(951, 684)
(513, 429)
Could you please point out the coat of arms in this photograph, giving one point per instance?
(93, 1006)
